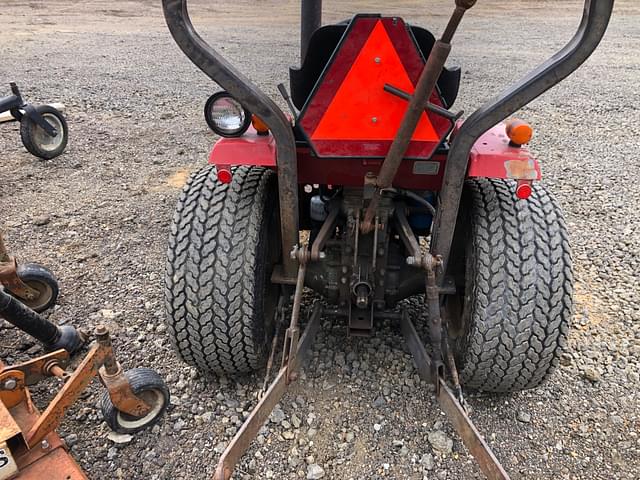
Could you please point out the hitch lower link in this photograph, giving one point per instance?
(430, 368)
(294, 349)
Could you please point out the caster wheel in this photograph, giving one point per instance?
(37, 141)
(41, 279)
(149, 386)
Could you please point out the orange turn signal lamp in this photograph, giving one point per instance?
(519, 132)
(259, 125)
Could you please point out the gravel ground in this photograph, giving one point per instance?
(99, 217)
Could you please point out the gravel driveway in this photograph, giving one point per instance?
(99, 217)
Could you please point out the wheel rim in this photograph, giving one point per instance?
(43, 140)
(153, 397)
(45, 293)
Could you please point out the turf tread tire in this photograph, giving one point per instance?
(215, 270)
(519, 288)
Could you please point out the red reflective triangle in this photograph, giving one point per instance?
(361, 109)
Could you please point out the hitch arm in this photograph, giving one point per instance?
(249, 430)
(250, 96)
(591, 30)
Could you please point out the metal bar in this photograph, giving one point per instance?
(21, 316)
(591, 30)
(292, 333)
(242, 440)
(430, 106)
(404, 230)
(426, 83)
(310, 21)
(8, 116)
(52, 416)
(327, 229)
(249, 95)
(469, 434)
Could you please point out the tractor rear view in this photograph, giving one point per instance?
(399, 197)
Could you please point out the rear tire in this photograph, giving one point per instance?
(223, 245)
(513, 264)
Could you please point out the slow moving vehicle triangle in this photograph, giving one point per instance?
(361, 109)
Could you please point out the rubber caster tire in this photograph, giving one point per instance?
(37, 141)
(149, 386)
(41, 279)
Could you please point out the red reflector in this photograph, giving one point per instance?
(523, 190)
(224, 175)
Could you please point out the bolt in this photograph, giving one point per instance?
(411, 260)
(9, 384)
(374, 119)
(44, 444)
(377, 60)
(101, 330)
(380, 252)
(362, 302)
(322, 255)
(343, 280)
(345, 269)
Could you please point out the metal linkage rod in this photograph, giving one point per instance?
(418, 103)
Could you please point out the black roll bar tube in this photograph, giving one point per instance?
(251, 97)
(594, 23)
(310, 21)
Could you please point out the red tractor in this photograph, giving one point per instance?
(399, 197)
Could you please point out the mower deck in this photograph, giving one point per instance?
(49, 459)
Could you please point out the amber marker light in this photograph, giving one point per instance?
(259, 125)
(519, 132)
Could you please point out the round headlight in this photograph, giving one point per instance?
(226, 116)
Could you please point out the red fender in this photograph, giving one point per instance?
(249, 149)
(493, 157)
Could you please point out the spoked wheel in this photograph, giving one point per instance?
(147, 385)
(37, 141)
(224, 244)
(512, 263)
(43, 281)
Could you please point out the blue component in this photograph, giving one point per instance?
(421, 222)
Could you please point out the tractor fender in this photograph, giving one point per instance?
(492, 156)
(249, 149)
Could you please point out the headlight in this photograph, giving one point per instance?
(226, 116)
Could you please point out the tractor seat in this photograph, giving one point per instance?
(324, 42)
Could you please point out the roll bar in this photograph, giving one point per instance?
(595, 20)
(310, 21)
(594, 23)
(250, 96)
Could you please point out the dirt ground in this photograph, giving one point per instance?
(99, 215)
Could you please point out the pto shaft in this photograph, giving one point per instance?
(47, 333)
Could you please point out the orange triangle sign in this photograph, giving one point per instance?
(361, 109)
